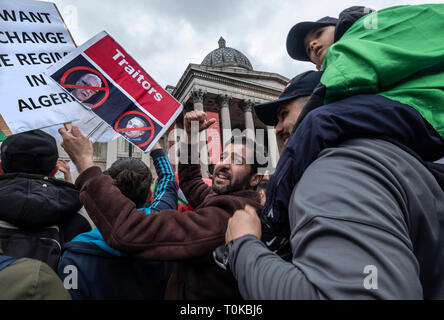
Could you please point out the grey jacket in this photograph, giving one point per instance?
(367, 222)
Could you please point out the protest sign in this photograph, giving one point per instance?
(32, 37)
(102, 75)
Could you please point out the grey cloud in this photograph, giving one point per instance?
(165, 35)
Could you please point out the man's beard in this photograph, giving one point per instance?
(230, 188)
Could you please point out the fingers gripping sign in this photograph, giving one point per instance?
(78, 147)
(243, 222)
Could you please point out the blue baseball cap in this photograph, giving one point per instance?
(297, 34)
(300, 86)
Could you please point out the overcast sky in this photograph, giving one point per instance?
(164, 36)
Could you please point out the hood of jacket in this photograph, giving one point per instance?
(348, 17)
(35, 201)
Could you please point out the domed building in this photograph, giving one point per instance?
(226, 57)
(226, 86)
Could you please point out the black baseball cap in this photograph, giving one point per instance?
(29, 152)
(300, 86)
(297, 34)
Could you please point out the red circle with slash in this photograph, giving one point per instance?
(150, 126)
(75, 86)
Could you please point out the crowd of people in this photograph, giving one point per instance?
(354, 209)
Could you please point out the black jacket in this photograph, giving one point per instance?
(38, 215)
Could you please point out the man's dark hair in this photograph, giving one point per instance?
(259, 151)
(133, 178)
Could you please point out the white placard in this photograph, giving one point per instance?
(32, 37)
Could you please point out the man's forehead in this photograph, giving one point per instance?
(238, 148)
(296, 102)
(90, 77)
(136, 121)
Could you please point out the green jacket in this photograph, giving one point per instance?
(398, 53)
(30, 279)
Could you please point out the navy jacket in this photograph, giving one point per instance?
(104, 276)
(372, 116)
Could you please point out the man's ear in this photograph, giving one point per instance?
(255, 180)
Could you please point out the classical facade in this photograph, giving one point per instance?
(224, 83)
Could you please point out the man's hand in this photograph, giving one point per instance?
(196, 116)
(243, 222)
(78, 147)
(63, 166)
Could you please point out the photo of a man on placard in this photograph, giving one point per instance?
(84, 82)
(84, 94)
(137, 127)
(135, 136)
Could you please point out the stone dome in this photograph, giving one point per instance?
(226, 57)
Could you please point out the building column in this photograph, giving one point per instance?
(198, 96)
(225, 117)
(111, 152)
(247, 108)
(273, 150)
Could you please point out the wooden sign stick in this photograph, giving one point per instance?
(4, 127)
(67, 125)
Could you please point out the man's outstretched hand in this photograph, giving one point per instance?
(78, 147)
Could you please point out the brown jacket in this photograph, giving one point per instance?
(188, 237)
